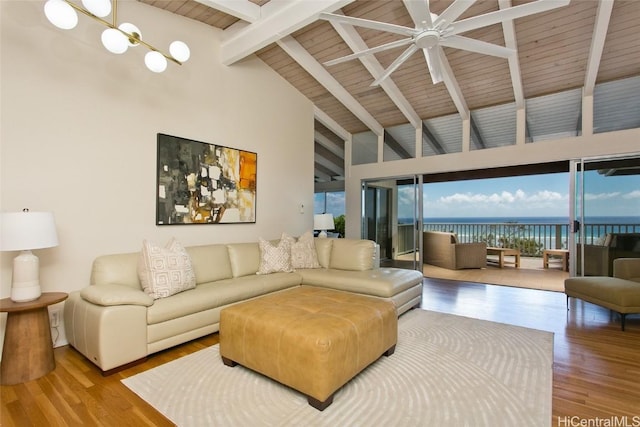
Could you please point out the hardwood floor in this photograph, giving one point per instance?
(596, 371)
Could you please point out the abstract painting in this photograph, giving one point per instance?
(201, 183)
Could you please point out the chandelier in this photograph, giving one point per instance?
(116, 38)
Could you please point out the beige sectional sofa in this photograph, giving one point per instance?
(113, 322)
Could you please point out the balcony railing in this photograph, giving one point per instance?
(530, 239)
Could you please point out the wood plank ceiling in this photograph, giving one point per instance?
(554, 53)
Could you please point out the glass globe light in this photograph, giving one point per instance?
(60, 14)
(180, 51)
(155, 61)
(133, 30)
(99, 8)
(114, 41)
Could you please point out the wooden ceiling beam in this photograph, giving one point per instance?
(452, 86)
(331, 124)
(283, 19)
(321, 173)
(432, 140)
(244, 10)
(328, 166)
(320, 150)
(313, 67)
(328, 144)
(353, 39)
(396, 146)
(603, 15)
(509, 32)
(475, 130)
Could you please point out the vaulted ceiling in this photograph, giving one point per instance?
(570, 47)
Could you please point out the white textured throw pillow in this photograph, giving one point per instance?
(303, 252)
(275, 259)
(165, 271)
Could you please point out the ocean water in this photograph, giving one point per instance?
(531, 220)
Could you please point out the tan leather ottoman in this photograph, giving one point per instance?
(313, 340)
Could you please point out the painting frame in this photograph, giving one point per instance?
(202, 183)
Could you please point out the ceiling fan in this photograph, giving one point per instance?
(432, 32)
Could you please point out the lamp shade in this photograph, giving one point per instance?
(60, 14)
(180, 51)
(323, 222)
(27, 230)
(114, 41)
(99, 8)
(155, 61)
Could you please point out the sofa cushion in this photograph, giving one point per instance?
(275, 258)
(165, 271)
(210, 262)
(380, 282)
(217, 294)
(244, 258)
(303, 251)
(352, 254)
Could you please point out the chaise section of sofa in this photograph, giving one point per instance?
(114, 323)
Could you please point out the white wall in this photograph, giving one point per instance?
(78, 135)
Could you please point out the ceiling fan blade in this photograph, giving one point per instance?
(395, 64)
(420, 12)
(452, 13)
(374, 25)
(473, 45)
(505, 15)
(433, 62)
(382, 47)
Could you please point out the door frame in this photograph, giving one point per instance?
(392, 226)
(576, 206)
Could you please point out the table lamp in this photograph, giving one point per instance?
(323, 222)
(25, 231)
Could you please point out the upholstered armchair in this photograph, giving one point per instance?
(443, 250)
(599, 257)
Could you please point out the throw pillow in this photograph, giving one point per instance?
(303, 251)
(165, 271)
(275, 259)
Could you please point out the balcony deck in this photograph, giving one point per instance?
(530, 275)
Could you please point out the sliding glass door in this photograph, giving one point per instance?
(605, 213)
(392, 217)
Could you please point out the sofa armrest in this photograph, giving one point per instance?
(109, 336)
(111, 294)
(627, 268)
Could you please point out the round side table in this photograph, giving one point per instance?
(28, 349)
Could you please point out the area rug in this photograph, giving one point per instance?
(447, 370)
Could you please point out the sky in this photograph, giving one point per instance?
(529, 196)
(526, 196)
